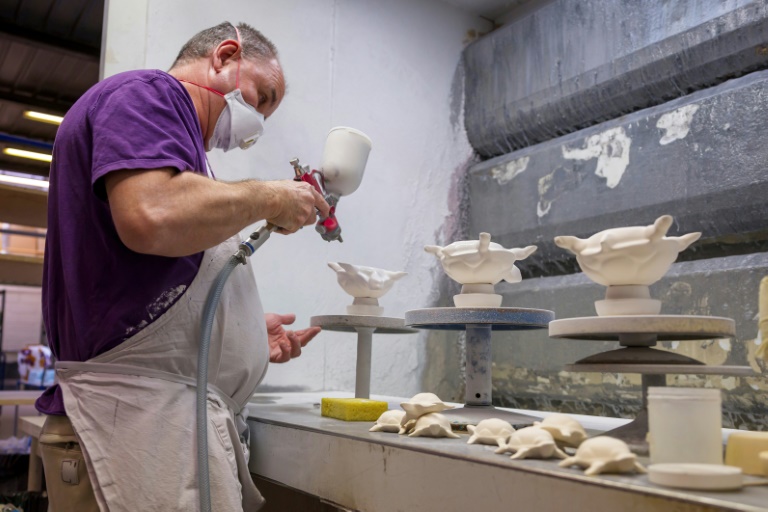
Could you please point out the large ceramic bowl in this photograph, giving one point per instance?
(638, 255)
(480, 261)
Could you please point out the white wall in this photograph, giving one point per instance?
(386, 68)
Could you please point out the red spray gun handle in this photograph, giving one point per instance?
(328, 227)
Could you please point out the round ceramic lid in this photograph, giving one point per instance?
(710, 477)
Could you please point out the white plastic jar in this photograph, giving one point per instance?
(685, 425)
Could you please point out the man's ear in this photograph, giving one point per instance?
(226, 51)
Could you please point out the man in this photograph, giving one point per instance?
(138, 230)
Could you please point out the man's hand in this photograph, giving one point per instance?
(293, 205)
(285, 345)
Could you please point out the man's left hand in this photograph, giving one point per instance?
(285, 345)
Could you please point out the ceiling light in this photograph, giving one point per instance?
(28, 182)
(44, 118)
(27, 154)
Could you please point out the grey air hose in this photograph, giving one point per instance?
(246, 249)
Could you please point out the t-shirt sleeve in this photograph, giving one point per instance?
(142, 124)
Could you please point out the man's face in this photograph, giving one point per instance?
(261, 82)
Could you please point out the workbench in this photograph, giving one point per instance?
(344, 464)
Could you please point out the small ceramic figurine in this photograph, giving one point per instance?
(532, 443)
(433, 424)
(478, 265)
(389, 421)
(567, 431)
(604, 455)
(420, 405)
(366, 284)
(627, 261)
(492, 431)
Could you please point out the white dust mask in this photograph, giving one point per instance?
(239, 124)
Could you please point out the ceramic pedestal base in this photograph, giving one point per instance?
(627, 300)
(477, 296)
(365, 306)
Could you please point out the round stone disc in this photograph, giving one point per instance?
(662, 369)
(500, 319)
(349, 323)
(665, 327)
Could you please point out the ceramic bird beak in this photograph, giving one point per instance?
(335, 267)
(571, 243)
(434, 249)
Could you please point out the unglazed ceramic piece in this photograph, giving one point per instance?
(604, 455)
(478, 265)
(637, 255)
(433, 424)
(389, 421)
(492, 431)
(628, 260)
(421, 404)
(366, 285)
(408, 427)
(532, 443)
(566, 430)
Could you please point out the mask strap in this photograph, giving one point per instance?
(214, 91)
(239, 41)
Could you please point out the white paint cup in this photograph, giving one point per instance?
(685, 425)
(346, 153)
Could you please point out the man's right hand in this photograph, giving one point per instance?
(294, 204)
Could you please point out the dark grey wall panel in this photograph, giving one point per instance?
(573, 64)
(702, 158)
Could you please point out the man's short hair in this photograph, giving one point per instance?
(255, 44)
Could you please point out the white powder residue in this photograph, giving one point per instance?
(676, 124)
(725, 344)
(611, 148)
(503, 174)
(164, 301)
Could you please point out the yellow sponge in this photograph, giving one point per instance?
(353, 409)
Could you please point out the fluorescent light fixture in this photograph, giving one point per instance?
(21, 153)
(27, 182)
(43, 118)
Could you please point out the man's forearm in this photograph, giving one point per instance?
(175, 214)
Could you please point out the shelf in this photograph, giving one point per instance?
(21, 270)
(23, 206)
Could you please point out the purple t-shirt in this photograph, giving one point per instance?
(96, 292)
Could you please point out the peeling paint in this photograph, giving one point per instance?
(677, 124)
(503, 174)
(543, 206)
(611, 148)
(729, 383)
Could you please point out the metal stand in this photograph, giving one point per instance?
(638, 334)
(364, 326)
(479, 324)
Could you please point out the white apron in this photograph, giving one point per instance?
(133, 407)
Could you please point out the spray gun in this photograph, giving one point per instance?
(344, 159)
(329, 227)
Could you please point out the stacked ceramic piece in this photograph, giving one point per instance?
(627, 261)
(420, 417)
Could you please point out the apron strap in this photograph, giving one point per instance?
(137, 371)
